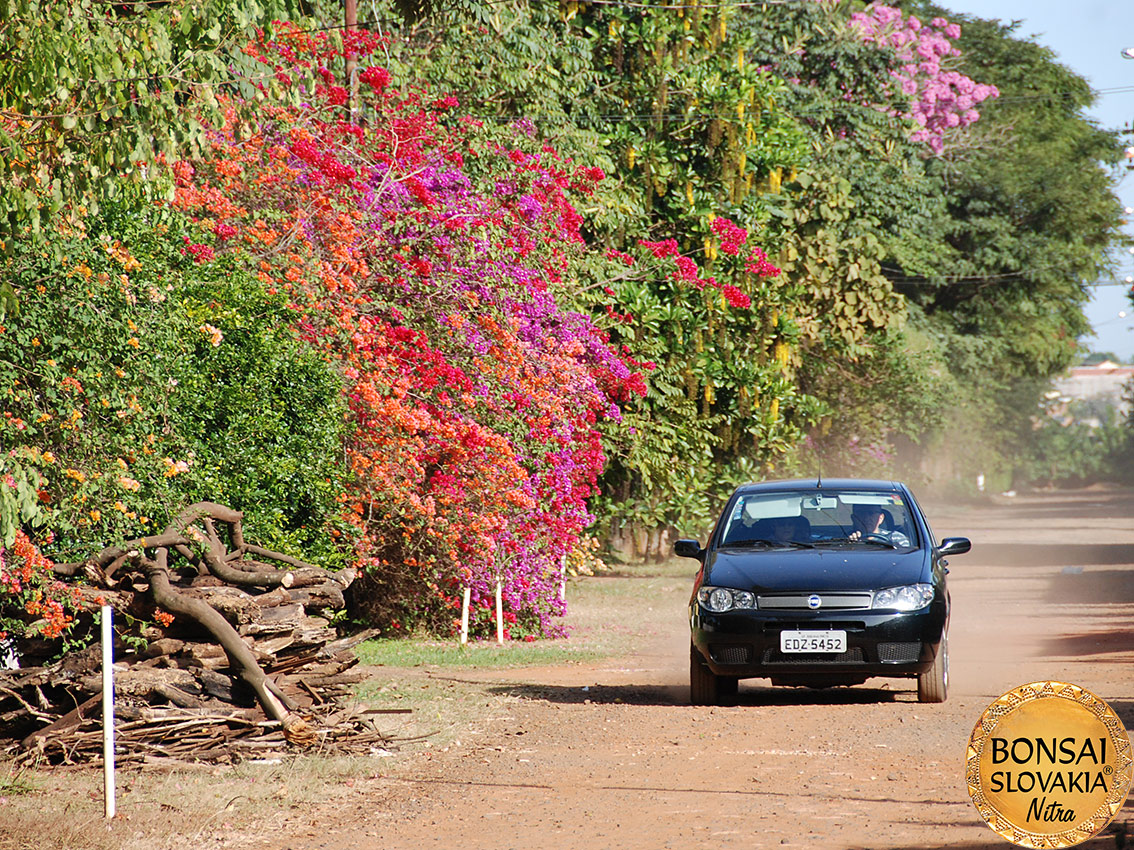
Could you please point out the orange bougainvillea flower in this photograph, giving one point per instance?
(26, 574)
(129, 484)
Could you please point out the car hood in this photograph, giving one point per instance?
(858, 568)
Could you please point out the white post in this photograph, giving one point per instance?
(499, 615)
(465, 616)
(108, 709)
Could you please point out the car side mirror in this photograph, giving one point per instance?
(954, 546)
(686, 548)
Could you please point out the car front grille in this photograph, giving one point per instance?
(827, 601)
(851, 656)
(774, 627)
(730, 654)
(899, 653)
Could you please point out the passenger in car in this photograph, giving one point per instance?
(790, 529)
(873, 520)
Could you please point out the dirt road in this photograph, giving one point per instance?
(611, 756)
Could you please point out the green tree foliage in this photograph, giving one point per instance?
(687, 129)
(861, 200)
(137, 381)
(92, 92)
(906, 275)
(700, 131)
(840, 89)
(1030, 215)
(1069, 450)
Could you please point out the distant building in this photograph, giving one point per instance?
(1104, 383)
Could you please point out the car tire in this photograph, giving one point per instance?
(727, 688)
(704, 684)
(933, 684)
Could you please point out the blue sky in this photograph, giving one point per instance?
(1087, 37)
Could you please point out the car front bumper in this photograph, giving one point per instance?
(746, 644)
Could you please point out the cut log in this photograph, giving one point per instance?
(291, 613)
(163, 646)
(216, 685)
(71, 719)
(279, 596)
(240, 656)
(237, 606)
(329, 594)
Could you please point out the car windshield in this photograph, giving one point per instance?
(820, 517)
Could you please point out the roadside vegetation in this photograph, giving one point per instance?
(529, 287)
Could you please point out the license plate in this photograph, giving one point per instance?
(830, 641)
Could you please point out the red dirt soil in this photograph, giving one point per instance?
(610, 755)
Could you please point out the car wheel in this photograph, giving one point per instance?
(727, 688)
(933, 684)
(704, 685)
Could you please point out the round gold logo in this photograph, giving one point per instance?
(1048, 765)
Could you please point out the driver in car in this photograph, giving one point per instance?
(869, 521)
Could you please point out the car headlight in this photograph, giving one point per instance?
(909, 597)
(721, 599)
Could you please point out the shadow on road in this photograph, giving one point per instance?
(1125, 711)
(1093, 586)
(597, 694)
(1052, 555)
(679, 695)
(1091, 643)
(1107, 840)
(763, 695)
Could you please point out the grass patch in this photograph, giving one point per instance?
(417, 652)
(17, 783)
(605, 615)
(448, 688)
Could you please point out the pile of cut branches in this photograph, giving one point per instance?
(248, 666)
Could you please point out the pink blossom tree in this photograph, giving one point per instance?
(941, 99)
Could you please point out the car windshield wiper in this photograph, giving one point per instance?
(774, 544)
(744, 544)
(869, 539)
(828, 540)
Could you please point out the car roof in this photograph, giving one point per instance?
(811, 484)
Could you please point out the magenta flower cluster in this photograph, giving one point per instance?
(941, 99)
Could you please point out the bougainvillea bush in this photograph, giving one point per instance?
(425, 256)
(138, 378)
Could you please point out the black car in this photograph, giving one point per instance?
(820, 583)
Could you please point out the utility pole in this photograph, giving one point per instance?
(350, 8)
(1128, 130)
